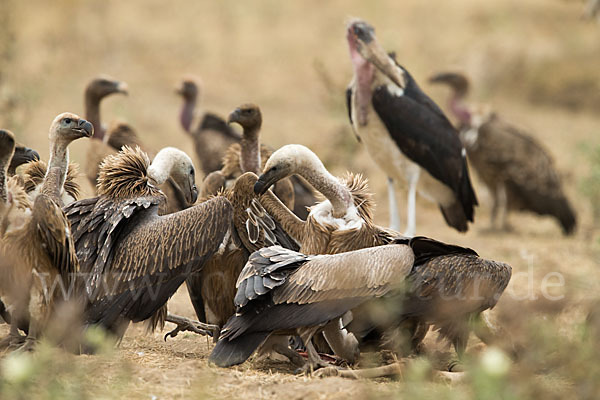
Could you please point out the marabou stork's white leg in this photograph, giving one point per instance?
(411, 226)
(393, 204)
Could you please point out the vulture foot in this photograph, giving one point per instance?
(185, 324)
(310, 366)
(13, 341)
(28, 345)
(455, 366)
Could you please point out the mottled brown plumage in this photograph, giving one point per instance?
(516, 168)
(212, 290)
(45, 259)
(282, 291)
(33, 177)
(135, 258)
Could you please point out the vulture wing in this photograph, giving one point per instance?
(54, 233)
(137, 259)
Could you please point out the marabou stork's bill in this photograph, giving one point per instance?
(406, 133)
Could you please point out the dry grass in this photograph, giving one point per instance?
(534, 60)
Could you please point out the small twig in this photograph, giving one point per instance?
(185, 324)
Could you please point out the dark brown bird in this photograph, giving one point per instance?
(135, 259)
(516, 168)
(406, 133)
(22, 156)
(247, 156)
(212, 290)
(42, 239)
(96, 90)
(212, 136)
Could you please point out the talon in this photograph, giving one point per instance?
(327, 372)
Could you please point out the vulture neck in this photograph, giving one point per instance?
(250, 157)
(459, 108)
(56, 173)
(3, 171)
(161, 167)
(329, 186)
(92, 114)
(187, 114)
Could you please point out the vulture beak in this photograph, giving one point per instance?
(85, 128)
(179, 90)
(122, 88)
(24, 155)
(370, 50)
(438, 78)
(268, 179)
(234, 116)
(193, 195)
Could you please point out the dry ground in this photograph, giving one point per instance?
(533, 60)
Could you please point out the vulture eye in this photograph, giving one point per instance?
(67, 121)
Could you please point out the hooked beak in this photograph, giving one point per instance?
(193, 195)
(123, 88)
(24, 155)
(266, 180)
(85, 128)
(234, 116)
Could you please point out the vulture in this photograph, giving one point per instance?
(96, 90)
(282, 292)
(285, 292)
(132, 258)
(344, 222)
(39, 240)
(212, 136)
(406, 133)
(21, 156)
(32, 181)
(518, 171)
(246, 156)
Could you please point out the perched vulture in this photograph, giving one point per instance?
(96, 90)
(133, 258)
(40, 241)
(515, 167)
(212, 136)
(406, 133)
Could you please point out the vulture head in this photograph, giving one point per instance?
(178, 166)
(103, 86)
(7, 148)
(22, 156)
(189, 89)
(457, 82)
(288, 160)
(122, 134)
(248, 116)
(67, 127)
(364, 49)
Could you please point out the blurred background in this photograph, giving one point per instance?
(536, 62)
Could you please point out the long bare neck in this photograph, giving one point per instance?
(56, 172)
(250, 157)
(187, 114)
(338, 194)
(161, 167)
(92, 114)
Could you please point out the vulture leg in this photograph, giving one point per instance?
(184, 324)
(411, 226)
(280, 346)
(14, 338)
(394, 213)
(343, 343)
(314, 360)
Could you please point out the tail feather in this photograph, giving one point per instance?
(233, 352)
(455, 217)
